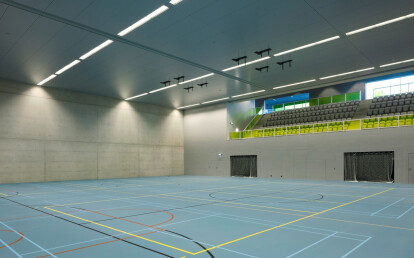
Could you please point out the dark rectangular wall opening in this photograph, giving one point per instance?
(243, 165)
(369, 166)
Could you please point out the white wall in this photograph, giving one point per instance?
(303, 156)
(49, 135)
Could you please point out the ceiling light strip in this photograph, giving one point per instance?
(67, 67)
(47, 79)
(307, 46)
(246, 64)
(211, 101)
(381, 24)
(341, 74)
(175, 2)
(189, 106)
(96, 49)
(198, 78)
(163, 88)
(137, 96)
(144, 20)
(400, 62)
(250, 93)
(293, 84)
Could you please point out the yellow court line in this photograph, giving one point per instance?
(142, 196)
(279, 212)
(277, 197)
(3, 194)
(229, 242)
(240, 203)
(294, 221)
(121, 231)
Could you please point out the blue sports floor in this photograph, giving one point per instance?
(188, 216)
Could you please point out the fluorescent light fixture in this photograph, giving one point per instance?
(248, 63)
(164, 88)
(254, 92)
(144, 20)
(211, 101)
(175, 2)
(198, 78)
(47, 79)
(400, 62)
(68, 66)
(189, 106)
(341, 74)
(96, 49)
(381, 24)
(137, 96)
(306, 46)
(293, 84)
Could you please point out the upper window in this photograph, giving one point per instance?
(389, 87)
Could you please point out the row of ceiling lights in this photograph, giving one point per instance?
(163, 8)
(108, 42)
(297, 49)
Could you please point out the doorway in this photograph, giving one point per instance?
(369, 166)
(243, 165)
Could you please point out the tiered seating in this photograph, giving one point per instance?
(389, 105)
(329, 112)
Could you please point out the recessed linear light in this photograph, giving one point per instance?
(163, 88)
(67, 67)
(47, 79)
(254, 92)
(211, 101)
(137, 96)
(144, 20)
(380, 24)
(189, 106)
(341, 74)
(96, 49)
(248, 63)
(293, 84)
(306, 46)
(400, 62)
(175, 2)
(198, 78)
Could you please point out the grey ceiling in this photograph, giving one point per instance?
(206, 32)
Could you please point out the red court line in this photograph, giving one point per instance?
(14, 241)
(113, 241)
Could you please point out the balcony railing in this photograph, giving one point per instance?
(328, 127)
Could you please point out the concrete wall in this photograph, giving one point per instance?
(305, 156)
(51, 135)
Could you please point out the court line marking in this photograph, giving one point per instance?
(356, 247)
(229, 242)
(277, 197)
(297, 220)
(405, 212)
(240, 203)
(309, 246)
(10, 248)
(25, 237)
(378, 211)
(3, 194)
(252, 220)
(150, 195)
(365, 223)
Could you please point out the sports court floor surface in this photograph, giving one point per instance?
(187, 216)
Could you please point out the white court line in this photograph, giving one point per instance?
(309, 246)
(11, 249)
(412, 207)
(25, 237)
(372, 214)
(356, 247)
